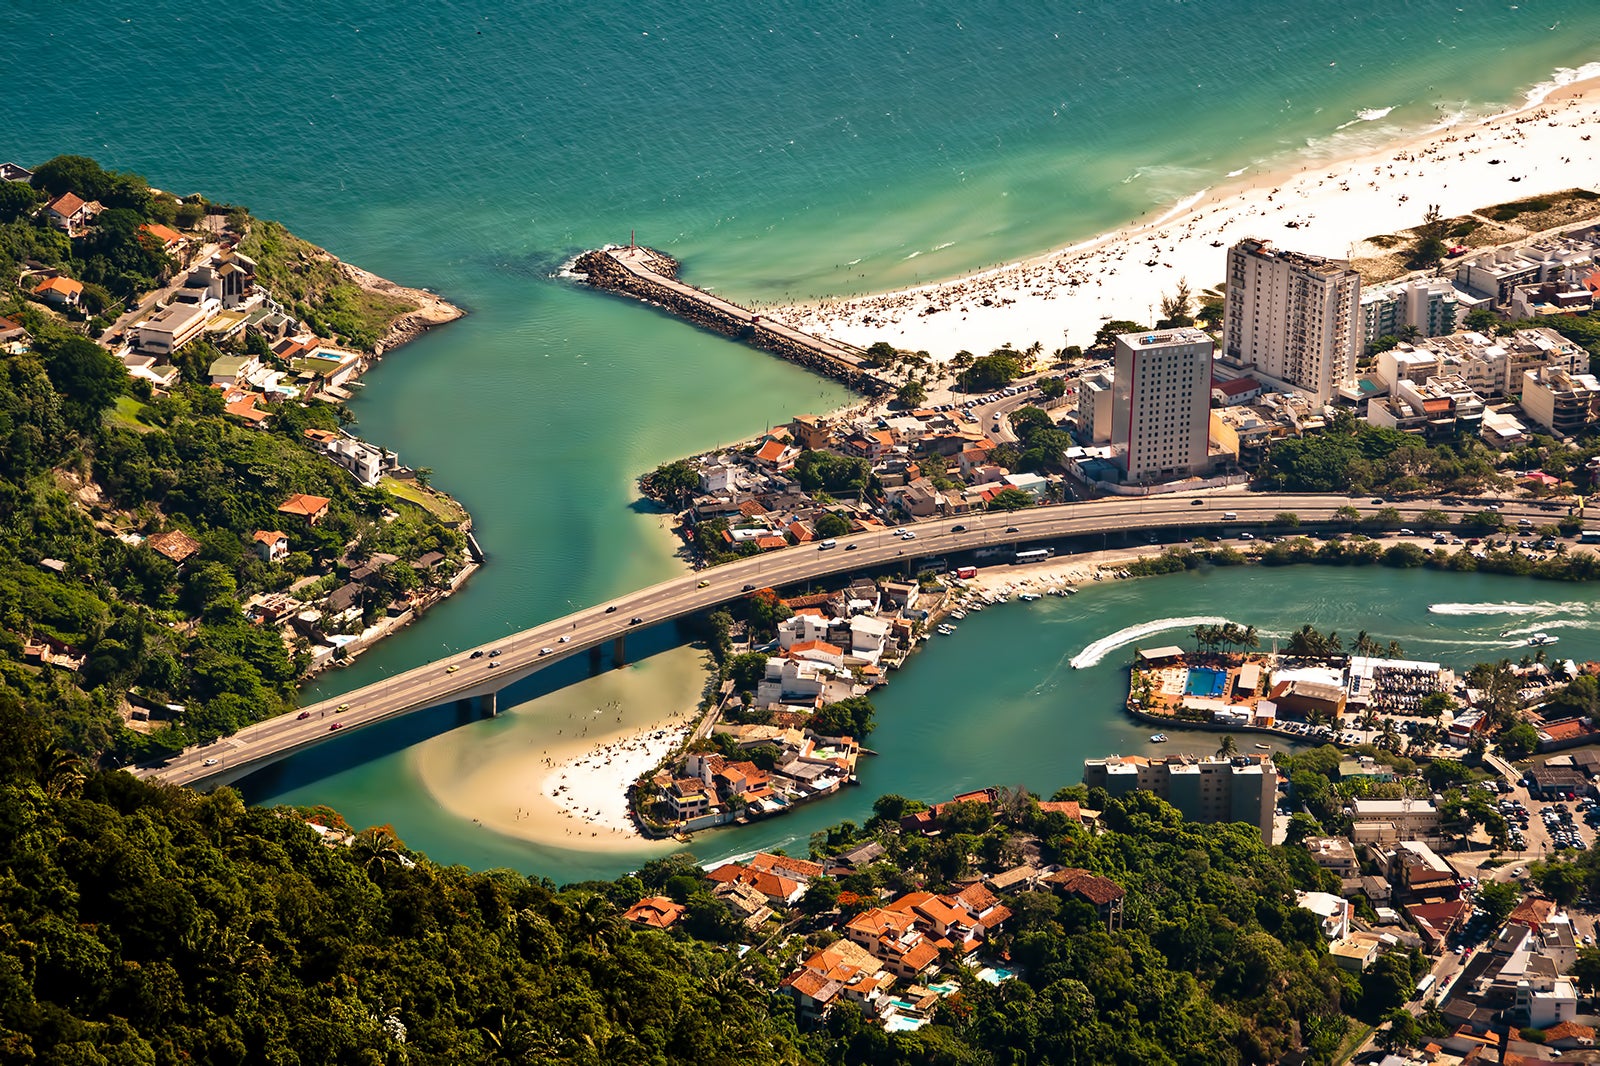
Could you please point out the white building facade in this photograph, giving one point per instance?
(1292, 318)
(1161, 404)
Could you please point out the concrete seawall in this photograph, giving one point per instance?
(651, 276)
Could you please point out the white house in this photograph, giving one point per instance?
(271, 544)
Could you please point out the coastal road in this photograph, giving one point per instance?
(460, 676)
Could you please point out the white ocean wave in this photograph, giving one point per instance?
(1181, 206)
(1367, 114)
(1097, 650)
(1236, 173)
(1562, 77)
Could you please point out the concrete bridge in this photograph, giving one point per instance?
(474, 676)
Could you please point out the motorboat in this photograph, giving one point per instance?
(1540, 640)
(1158, 738)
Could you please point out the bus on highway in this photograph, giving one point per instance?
(1035, 555)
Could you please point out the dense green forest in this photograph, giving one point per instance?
(147, 924)
(92, 461)
(84, 461)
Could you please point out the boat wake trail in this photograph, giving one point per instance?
(1097, 650)
(1488, 608)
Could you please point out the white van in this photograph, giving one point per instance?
(1229, 516)
(825, 545)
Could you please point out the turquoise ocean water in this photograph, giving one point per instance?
(779, 149)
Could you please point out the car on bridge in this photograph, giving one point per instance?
(302, 716)
(564, 638)
(477, 654)
(1196, 503)
(612, 609)
(452, 668)
(703, 583)
(635, 620)
(494, 653)
(341, 708)
(542, 651)
(211, 762)
(336, 725)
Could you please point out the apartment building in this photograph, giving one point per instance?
(1560, 402)
(1160, 404)
(1292, 318)
(1203, 789)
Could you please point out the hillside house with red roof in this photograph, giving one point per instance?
(270, 544)
(311, 508)
(72, 213)
(1101, 893)
(657, 912)
(60, 292)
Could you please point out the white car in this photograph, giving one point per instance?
(564, 639)
(546, 651)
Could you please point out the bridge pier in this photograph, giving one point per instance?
(619, 652)
(485, 706)
(595, 663)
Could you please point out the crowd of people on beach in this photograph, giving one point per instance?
(1125, 274)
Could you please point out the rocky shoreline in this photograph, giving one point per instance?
(431, 310)
(603, 272)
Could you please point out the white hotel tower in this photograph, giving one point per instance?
(1161, 404)
(1292, 319)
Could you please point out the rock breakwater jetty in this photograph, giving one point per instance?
(648, 275)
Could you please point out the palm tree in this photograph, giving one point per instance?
(1389, 736)
(1228, 748)
(1369, 719)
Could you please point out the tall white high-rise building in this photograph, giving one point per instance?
(1161, 404)
(1292, 318)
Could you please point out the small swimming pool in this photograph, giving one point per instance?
(899, 1023)
(995, 974)
(1204, 681)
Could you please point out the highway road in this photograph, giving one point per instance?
(460, 676)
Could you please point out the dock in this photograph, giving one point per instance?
(650, 275)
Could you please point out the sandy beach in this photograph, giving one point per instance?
(1326, 208)
(557, 768)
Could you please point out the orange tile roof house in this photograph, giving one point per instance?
(176, 545)
(658, 912)
(165, 236)
(60, 292)
(778, 889)
(245, 408)
(271, 544)
(799, 869)
(312, 508)
(777, 454)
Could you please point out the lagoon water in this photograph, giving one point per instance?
(781, 150)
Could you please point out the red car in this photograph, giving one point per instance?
(336, 725)
(302, 716)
